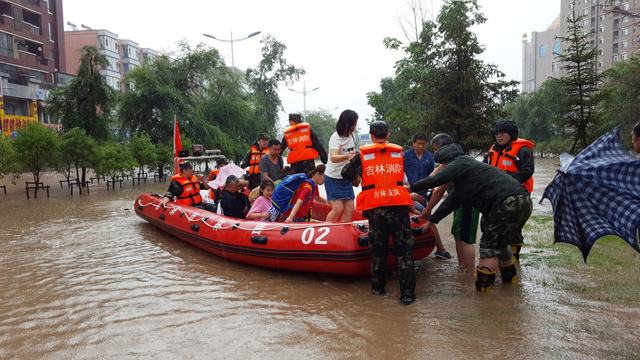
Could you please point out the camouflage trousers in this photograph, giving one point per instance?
(503, 226)
(385, 222)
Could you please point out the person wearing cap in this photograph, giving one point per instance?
(185, 189)
(384, 201)
(504, 203)
(252, 160)
(515, 156)
(304, 146)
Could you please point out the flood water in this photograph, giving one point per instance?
(83, 277)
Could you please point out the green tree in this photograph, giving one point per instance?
(87, 101)
(38, 149)
(442, 86)
(143, 151)
(7, 158)
(114, 161)
(323, 124)
(164, 159)
(580, 82)
(196, 87)
(76, 150)
(264, 80)
(620, 95)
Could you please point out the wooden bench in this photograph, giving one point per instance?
(35, 186)
(68, 181)
(113, 183)
(86, 183)
(98, 178)
(157, 176)
(142, 176)
(4, 187)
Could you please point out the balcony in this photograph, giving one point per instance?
(35, 30)
(32, 2)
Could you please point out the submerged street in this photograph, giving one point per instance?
(84, 277)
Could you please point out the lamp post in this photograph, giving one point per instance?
(304, 93)
(232, 40)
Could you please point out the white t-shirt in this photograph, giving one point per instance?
(344, 145)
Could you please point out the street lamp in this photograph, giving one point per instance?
(304, 93)
(232, 41)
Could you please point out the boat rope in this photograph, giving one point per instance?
(276, 226)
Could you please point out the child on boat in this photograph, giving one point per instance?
(260, 209)
(303, 193)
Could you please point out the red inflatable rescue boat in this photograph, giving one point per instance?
(319, 246)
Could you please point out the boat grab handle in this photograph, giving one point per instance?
(259, 239)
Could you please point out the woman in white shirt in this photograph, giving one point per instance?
(342, 148)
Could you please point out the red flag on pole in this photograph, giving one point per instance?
(177, 144)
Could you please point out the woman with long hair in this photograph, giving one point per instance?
(342, 148)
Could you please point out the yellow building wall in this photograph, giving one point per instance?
(10, 123)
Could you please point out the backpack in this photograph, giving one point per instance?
(282, 196)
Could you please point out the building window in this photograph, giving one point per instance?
(625, 19)
(556, 48)
(6, 45)
(625, 6)
(585, 22)
(601, 28)
(571, 6)
(51, 32)
(585, 32)
(543, 51)
(601, 17)
(624, 44)
(600, 52)
(600, 63)
(555, 66)
(625, 31)
(615, 58)
(624, 56)
(585, 11)
(53, 55)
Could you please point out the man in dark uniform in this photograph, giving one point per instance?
(185, 189)
(302, 159)
(385, 203)
(504, 203)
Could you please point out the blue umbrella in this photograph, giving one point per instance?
(595, 194)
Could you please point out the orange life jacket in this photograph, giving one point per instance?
(212, 174)
(506, 160)
(382, 175)
(190, 190)
(298, 139)
(254, 161)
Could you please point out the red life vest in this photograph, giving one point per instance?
(212, 174)
(298, 139)
(382, 175)
(190, 190)
(506, 160)
(254, 161)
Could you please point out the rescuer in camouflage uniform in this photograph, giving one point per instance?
(504, 203)
(387, 221)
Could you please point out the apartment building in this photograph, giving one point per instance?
(123, 55)
(613, 33)
(32, 59)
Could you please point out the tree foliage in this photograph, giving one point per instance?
(76, 150)
(143, 151)
(580, 82)
(441, 85)
(323, 123)
(264, 79)
(37, 148)
(86, 102)
(7, 157)
(114, 161)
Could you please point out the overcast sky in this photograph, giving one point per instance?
(339, 43)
